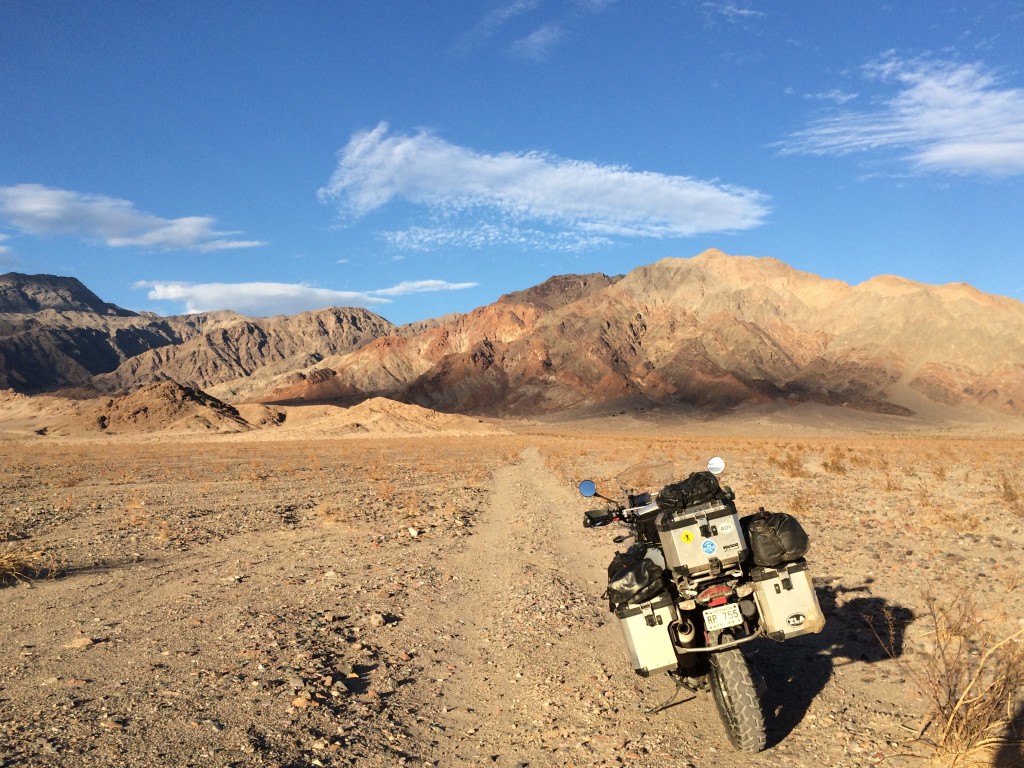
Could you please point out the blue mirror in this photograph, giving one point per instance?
(588, 488)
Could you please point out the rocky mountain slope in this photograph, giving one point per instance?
(55, 333)
(713, 332)
(240, 348)
(34, 293)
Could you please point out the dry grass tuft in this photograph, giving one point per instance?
(835, 462)
(792, 463)
(1008, 490)
(21, 563)
(972, 680)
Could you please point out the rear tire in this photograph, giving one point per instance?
(735, 694)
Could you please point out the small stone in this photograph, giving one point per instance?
(81, 642)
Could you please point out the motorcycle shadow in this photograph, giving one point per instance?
(1011, 751)
(863, 629)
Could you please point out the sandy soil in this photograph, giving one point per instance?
(227, 601)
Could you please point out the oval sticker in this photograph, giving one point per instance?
(709, 547)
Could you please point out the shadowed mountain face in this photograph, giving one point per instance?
(55, 333)
(712, 332)
(33, 293)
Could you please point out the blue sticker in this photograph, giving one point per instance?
(709, 547)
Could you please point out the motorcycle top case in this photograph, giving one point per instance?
(646, 627)
(786, 600)
(702, 540)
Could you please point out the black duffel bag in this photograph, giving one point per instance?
(775, 537)
(698, 488)
(634, 578)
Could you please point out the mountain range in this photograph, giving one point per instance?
(713, 332)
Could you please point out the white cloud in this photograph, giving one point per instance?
(546, 34)
(955, 118)
(570, 198)
(490, 235)
(4, 248)
(539, 43)
(39, 210)
(732, 12)
(421, 286)
(835, 95)
(495, 20)
(265, 299)
(254, 299)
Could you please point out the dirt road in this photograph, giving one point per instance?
(379, 605)
(529, 668)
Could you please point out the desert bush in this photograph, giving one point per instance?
(791, 463)
(22, 563)
(970, 676)
(800, 504)
(834, 463)
(891, 483)
(1008, 490)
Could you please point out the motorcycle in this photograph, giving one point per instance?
(699, 583)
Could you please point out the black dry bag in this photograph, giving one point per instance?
(775, 537)
(633, 578)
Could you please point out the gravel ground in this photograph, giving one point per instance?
(435, 601)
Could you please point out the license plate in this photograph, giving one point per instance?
(723, 616)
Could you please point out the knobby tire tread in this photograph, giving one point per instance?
(736, 698)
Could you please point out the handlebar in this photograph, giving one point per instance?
(596, 518)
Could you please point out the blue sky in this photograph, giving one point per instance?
(423, 158)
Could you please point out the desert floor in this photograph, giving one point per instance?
(434, 600)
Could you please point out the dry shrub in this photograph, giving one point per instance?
(972, 680)
(800, 504)
(1008, 490)
(862, 460)
(792, 463)
(833, 463)
(22, 563)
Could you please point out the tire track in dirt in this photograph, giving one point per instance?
(523, 665)
(528, 665)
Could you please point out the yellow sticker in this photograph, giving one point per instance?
(687, 537)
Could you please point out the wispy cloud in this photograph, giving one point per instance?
(945, 117)
(836, 96)
(4, 248)
(35, 209)
(494, 20)
(421, 286)
(546, 33)
(539, 43)
(254, 299)
(487, 234)
(265, 299)
(737, 13)
(560, 199)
